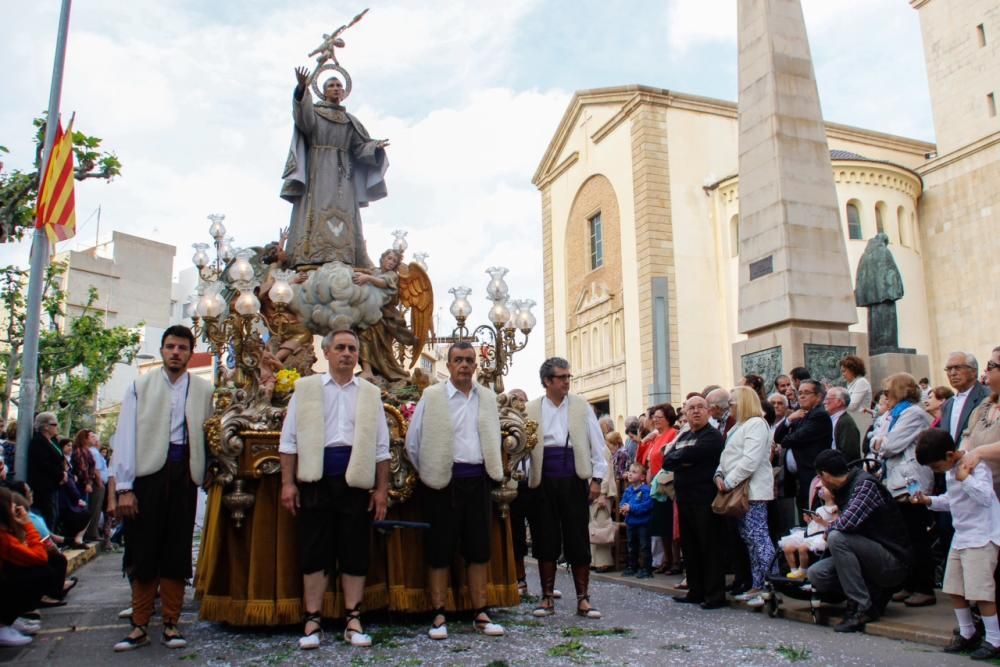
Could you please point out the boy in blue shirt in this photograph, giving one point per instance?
(637, 508)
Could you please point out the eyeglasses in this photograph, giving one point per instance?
(562, 376)
(53, 424)
(992, 365)
(956, 368)
(806, 392)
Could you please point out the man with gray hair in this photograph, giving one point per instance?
(607, 424)
(46, 467)
(805, 433)
(566, 474)
(846, 434)
(718, 410)
(963, 376)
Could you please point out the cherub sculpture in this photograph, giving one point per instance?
(405, 286)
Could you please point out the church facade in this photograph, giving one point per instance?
(640, 218)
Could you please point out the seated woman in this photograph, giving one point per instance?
(24, 497)
(24, 572)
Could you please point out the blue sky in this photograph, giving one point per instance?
(193, 97)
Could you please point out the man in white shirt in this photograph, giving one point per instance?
(334, 452)
(570, 452)
(158, 472)
(453, 441)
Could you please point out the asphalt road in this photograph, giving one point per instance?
(639, 628)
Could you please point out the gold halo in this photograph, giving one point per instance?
(337, 68)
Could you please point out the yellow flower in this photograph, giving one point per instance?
(285, 380)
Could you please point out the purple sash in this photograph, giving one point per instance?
(177, 453)
(558, 462)
(467, 470)
(335, 460)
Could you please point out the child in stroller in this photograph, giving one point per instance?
(800, 541)
(791, 583)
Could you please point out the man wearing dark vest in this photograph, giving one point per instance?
(567, 468)
(334, 453)
(454, 442)
(158, 465)
(868, 544)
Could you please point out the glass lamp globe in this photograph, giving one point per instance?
(499, 313)
(241, 270)
(497, 289)
(281, 290)
(200, 259)
(217, 230)
(399, 244)
(460, 307)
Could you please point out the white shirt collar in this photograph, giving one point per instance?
(964, 393)
(179, 382)
(452, 389)
(836, 415)
(546, 399)
(328, 379)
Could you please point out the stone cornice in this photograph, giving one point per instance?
(943, 161)
(633, 97)
(866, 172)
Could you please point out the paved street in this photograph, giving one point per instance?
(640, 628)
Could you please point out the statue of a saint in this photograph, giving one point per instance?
(878, 286)
(334, 167)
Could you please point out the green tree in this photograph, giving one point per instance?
(19, 189)
(13, 291)
(73, 364)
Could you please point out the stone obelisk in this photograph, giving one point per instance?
(796, 300)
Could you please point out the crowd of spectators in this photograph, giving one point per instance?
(62, 506)
(870, 495)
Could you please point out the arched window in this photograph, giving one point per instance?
(607, 342)
(904, 228)
(595, 348)
(575, 359)
(619, 342)
(854, 231)
(734, 236)
(880, 218)
(585, 350)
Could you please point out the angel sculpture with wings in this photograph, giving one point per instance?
(405, 285)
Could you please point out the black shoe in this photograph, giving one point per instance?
(960, 644)
(683, 599)
(986, 651)
(854, 622)
(713, 605)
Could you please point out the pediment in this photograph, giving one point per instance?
(591, 296)
(580, 108)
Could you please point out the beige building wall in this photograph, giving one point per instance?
(663, 158)
(962, 51)
(960, 206)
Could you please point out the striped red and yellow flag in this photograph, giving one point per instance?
(56, 209)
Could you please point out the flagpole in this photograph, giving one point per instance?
(28, 396)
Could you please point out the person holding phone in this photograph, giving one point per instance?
(798, 544)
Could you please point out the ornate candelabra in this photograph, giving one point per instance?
(497, 341)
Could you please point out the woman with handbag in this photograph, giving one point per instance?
(904, 477)
(745, 472)
(661, 523)
(603, 528)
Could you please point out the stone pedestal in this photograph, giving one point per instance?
(881, 366)
(782, 348)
